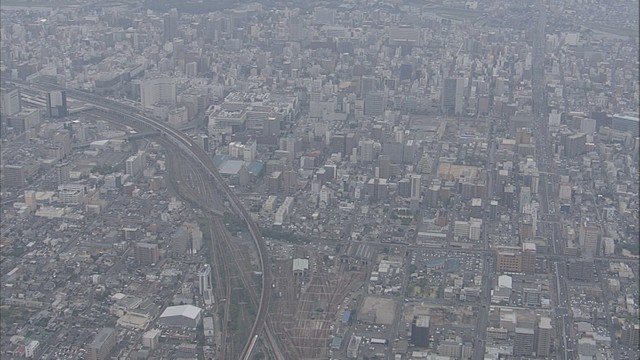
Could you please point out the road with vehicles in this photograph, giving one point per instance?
(544, 156)
(133, 116)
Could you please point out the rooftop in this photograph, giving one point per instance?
(189, 311)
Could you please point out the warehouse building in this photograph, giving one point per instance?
(181, 316)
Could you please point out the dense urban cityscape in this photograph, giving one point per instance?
(441, 180)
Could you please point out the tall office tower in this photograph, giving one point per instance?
(295, 28)
(544, 332)
(384, 166)
(133, 165)
(170, 24)
(57, 104)
(475, 229)
(590, 238)
(191, 69)
(336, 143)
(102, 344)
(409, 152)
(10, 102)
(631, 335)
(13, 176)
(147, 253)
(271, 127)
(420, 331)
(405, 71)
(350, 142)
(523, 342)
(575, 144)
(158, 91)
(528, 256)
(452, 96)
(368, 84)
(404, 187)
(416, 184)
(62, 172)
(374, 103)
(626, 123)
(450, 348)
(509, 261)
(63, 139)
(204, 142)
(205, 286)
(366, 150)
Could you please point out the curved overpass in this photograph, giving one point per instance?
(188, 145)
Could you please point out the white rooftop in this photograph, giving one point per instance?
(189, 311)
(231, 167)
(300, 264)
(505, 281)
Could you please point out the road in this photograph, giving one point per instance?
(485, 297)
(544, 157)
(132, 115)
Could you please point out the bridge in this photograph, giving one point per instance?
(130, 137)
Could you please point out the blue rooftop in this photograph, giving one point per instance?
(346, 315)
(256, 168)
(219, 159)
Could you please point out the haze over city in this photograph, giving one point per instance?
(401, 179)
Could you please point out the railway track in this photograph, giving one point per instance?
(135, 118)
(198, 191)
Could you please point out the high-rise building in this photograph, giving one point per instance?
(409, 152)
(71, 193)
(366, 150)
(296, 29)
(590, 238)
(63, 172)
(528, 256)
(416, 186)
(271, 127)
(147, 253)
(420, 331)
(544, 333)
(461, 228)
(626, 123)
(204, 285)
(10, 102)
(384, 166)
(450, 348)
(13, 176)
(151, 338)
(159, 90)
(631, 335)
(452, 96)
(475, 229)
(509, 261)
(170, 25)
(57, 104)
(102, 344)
(134, 164)
(374, 103)
(63, 138)
(523, 342)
